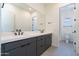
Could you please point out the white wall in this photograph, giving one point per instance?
(52, 17)
(41, 21)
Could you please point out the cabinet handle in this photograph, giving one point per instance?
(23, 45)
(28, 44)
(41, 39)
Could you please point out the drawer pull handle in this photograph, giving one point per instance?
(25, 44)
(41, 39)
(28, 43)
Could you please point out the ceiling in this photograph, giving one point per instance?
(23, 6)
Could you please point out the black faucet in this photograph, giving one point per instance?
(18, 32)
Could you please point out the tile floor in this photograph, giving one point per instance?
(65, 49)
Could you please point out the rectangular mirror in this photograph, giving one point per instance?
(21, 16)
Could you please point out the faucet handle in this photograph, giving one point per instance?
(15, 33)
(16, 30)
(21, 33)
(19, 30)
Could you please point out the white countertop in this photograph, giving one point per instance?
(11, 37)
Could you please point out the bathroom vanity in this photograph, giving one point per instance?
(27, 45)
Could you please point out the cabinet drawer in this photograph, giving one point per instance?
(28, 49)
(13, 45)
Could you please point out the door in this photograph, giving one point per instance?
(67, 23)
(34, 23)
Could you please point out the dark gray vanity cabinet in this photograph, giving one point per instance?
(33, 46)
(25, 47)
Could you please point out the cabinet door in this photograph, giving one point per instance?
(48, 41)
(43, 43)
(31, 49)
(39, 47)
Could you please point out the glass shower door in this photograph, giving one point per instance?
(67, 23)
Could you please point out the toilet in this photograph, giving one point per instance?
(66, 37)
